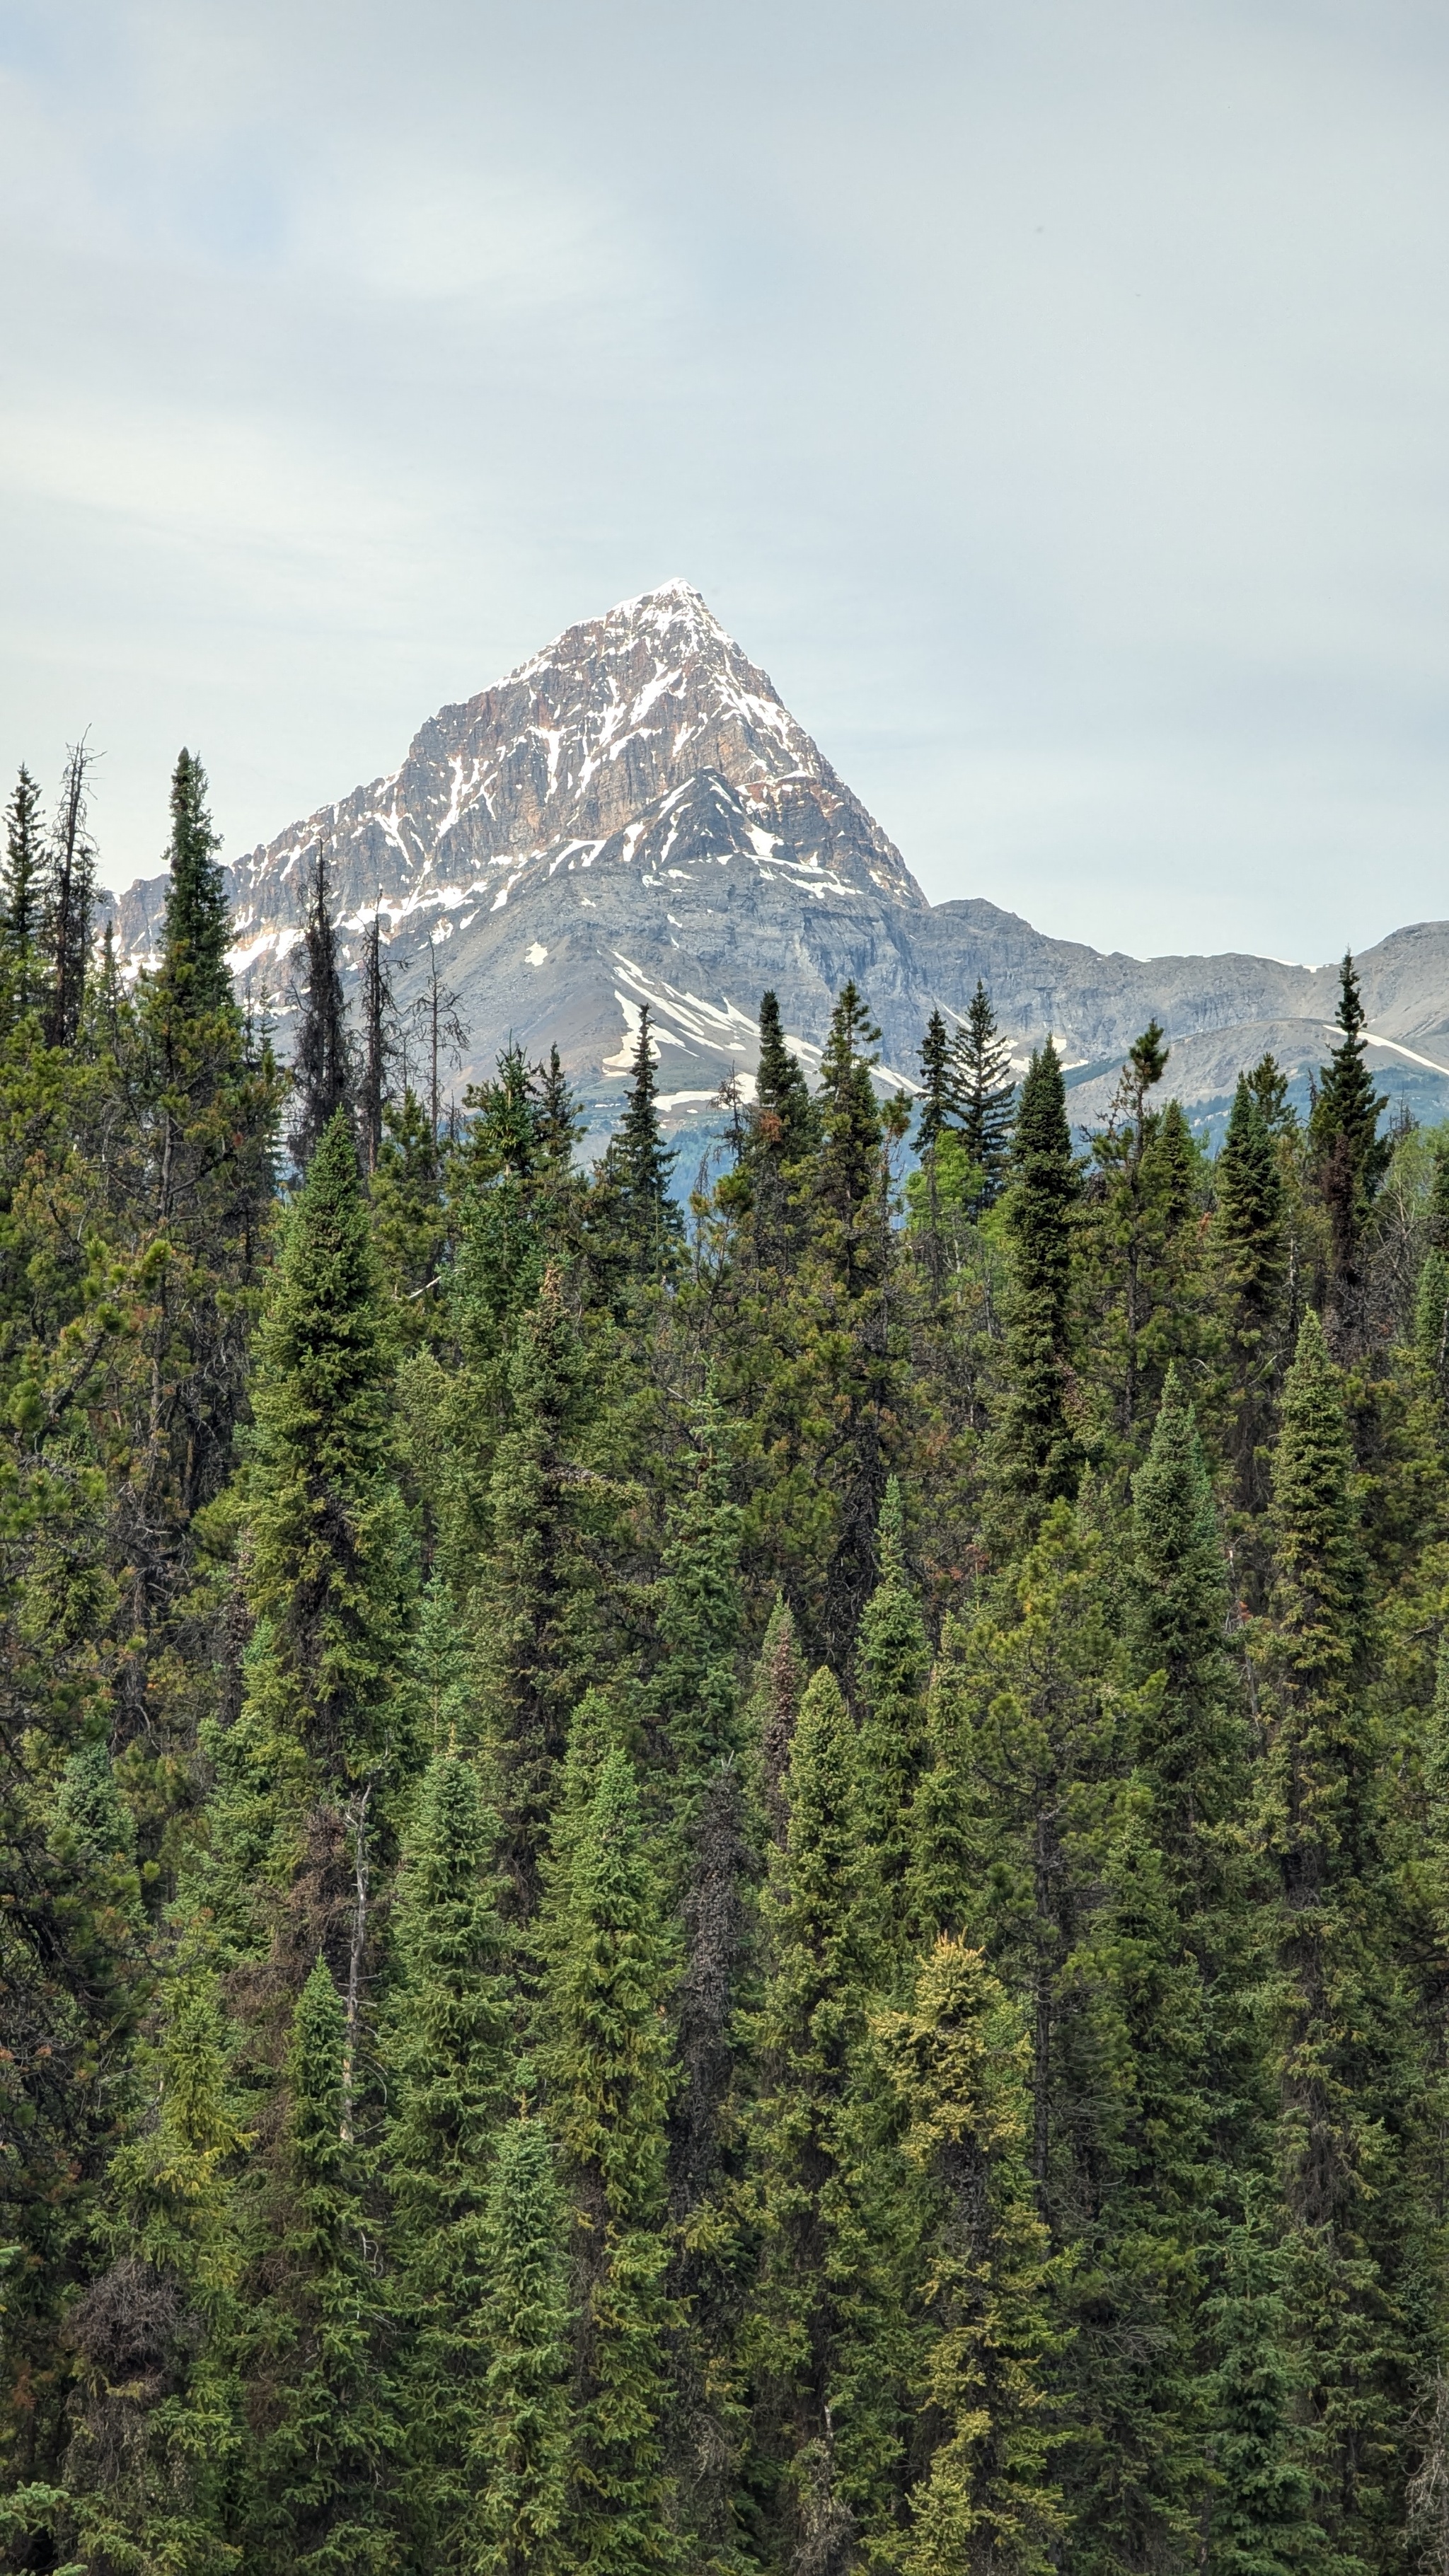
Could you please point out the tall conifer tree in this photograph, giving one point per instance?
(828, 2338)
(609, 2084)
(1035, 1450)
(1348, 2081)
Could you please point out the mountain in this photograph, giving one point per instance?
(634, 816)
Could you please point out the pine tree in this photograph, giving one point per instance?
(1349, 2086)
(319, 2472)
(984, 1095)
(446, 2059)
(321, 1057)
(639, 1167)
(609, 2086)
(827, 2341)
(22, 890)
(957, 2059)
(520, 2454)
(893, 1658)
(694, 1700)
(1348, 1154)
(1035, 1447)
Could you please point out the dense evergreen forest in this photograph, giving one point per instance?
(750, 1881)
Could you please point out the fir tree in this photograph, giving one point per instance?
(22, 890)
(983, 1094)
(1035, 1447)
(827, 2340)
(520, 2451)
(609, 2085)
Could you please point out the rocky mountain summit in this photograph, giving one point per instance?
(634, 816)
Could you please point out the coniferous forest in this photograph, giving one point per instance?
(739, 1880)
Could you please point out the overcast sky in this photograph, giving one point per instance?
(1052, 395)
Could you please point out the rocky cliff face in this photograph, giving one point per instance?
(633, 816)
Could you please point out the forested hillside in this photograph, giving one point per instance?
(756, 1886)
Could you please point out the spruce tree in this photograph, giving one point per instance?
(784, 1128)
(1251, 1235)
(828, 2339)
(609, 2078)
(540, 1619)
(446, 2057)
(1349, 2088)
(1349, 1157)
(848, 1173)
(1035, 1451)
(957, 2062)
(893, 1658)
(158, 2427)
(639, 1167)
(1128, 1227)
(937, 1093)
(983, 1094)
(321, 1056)
(1260, 2520)
(198, 922)
(22, 890)
(70, 900)
(322, 2464)
(520, 2449)
(329, 1567)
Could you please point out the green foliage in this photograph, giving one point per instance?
(1036, 1448)
(501, 2074)
(610, 2079)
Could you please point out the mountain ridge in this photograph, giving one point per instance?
(633, 815)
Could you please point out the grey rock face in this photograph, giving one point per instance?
(634, 816)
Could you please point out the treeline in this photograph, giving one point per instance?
(750, 1887)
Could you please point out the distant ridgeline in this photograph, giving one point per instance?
(762, 1888)
(634, 817)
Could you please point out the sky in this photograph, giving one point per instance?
(1053, 398)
